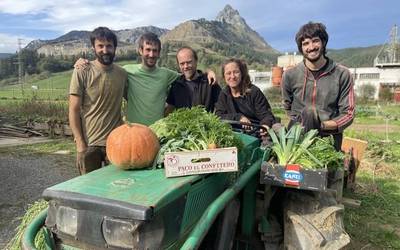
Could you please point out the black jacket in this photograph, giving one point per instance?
(204, 94)
(254, 105)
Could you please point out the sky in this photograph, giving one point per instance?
(350, 23)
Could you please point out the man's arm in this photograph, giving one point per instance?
(346, 106)
(75, 122)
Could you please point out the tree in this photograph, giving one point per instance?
(29, 58)
(366, 92)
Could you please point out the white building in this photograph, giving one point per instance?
(377, 77)
(261, 79)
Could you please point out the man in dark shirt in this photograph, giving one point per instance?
(319, 93)
(192, 88)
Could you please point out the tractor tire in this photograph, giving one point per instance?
(313, 221)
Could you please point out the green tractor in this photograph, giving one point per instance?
(142, 209)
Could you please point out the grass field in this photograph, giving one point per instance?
(374, 225)
(51, 86)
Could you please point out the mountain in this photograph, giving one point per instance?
(5, 55)
(131, 35)
(238, 26)
(226, 36)
(78, 42)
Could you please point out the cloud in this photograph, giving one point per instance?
(25, 6)
(123, 14)
(9, 43)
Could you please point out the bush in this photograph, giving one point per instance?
(273, 94)
(37, 110)
(385, 94)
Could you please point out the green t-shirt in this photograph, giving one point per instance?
(101, 92)
(147, 92)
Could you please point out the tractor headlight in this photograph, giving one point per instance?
(120, 233)
(67, 220)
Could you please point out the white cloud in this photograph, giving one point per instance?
(25, 6)
(9, 43)
(61, 15)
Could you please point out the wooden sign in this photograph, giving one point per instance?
(201, 162)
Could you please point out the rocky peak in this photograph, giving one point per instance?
(231, 16)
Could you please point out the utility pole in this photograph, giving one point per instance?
(20, 66)
(393, 45)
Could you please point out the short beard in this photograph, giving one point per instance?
(321, 54)
(105, 59)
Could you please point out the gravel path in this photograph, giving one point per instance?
(22, 181)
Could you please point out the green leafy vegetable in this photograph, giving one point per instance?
(192, 129)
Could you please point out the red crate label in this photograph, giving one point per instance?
(292, 175)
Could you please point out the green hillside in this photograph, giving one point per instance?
(356, 57)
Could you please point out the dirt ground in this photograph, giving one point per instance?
(375, 127)
(22, 181)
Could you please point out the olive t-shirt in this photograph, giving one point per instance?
(101, 92)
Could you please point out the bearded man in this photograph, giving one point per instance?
(95, 98)
(318, 92)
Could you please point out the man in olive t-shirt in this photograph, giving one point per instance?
(95, 101)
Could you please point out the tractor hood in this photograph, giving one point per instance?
(133, 193)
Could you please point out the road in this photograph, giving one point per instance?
(22, 181)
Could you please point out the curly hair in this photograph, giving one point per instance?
(245, 82)
(311, 30)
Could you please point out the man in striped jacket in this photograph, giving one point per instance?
(318, 92)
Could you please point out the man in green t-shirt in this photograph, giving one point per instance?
(95, 98)
(148, 84)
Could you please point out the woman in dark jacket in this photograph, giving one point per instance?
(240, 100)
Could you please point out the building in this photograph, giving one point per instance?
(381, 77)
(289, 60)
(261, 79)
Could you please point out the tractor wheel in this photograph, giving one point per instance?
(313, 221)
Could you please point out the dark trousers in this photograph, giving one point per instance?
(93, 158)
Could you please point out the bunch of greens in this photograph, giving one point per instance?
(192, 129)
(324, 154)
(306, 149)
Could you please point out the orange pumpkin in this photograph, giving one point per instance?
(132, 146)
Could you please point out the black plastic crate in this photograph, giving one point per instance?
(294, 176)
